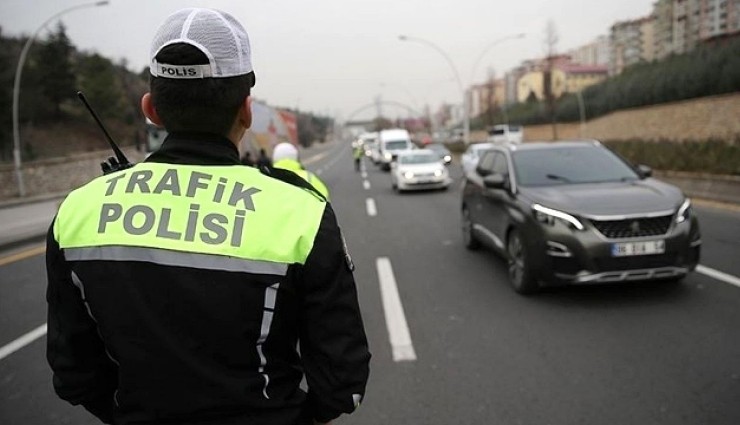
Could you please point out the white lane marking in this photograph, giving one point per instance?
(395, 319)
(317, 157)
(22, 341)
(364, 175)
(716, 274)
(372, 211)
(321, 156)
(366, 184)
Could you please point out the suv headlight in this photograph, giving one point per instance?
(438, 173)
(388, 156)
(684, 211)
(408, 175)
(549, 215)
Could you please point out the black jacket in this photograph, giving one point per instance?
(138, 342)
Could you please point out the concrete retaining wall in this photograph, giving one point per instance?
(704, 186)
(56, 175)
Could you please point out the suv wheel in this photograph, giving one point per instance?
(469, 239)
(521, 274)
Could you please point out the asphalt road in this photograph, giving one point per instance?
(636, 354)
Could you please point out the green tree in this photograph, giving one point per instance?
(98, 79)
(54, 65)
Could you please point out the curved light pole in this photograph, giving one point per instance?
(483, 54)
(488, 48)
(465, 105)
(466, 117)
(17, 89)
(581, 112)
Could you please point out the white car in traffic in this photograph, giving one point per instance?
(419, 169)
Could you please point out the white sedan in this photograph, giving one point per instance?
(469, 159)
(419, 169)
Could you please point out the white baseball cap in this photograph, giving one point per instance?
(215, 33)
(284, 151)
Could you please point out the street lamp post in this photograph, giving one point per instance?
(463, 91)
(582, 112)
(483, 54)
(17, 88)
(466, 117)
(488, 48)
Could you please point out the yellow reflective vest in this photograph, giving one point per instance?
(311, 178)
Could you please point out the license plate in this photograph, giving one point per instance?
(638, 248)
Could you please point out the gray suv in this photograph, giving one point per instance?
(577, 213)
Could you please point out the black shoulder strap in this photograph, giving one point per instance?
(292, 178)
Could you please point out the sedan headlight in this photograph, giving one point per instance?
(549, 215)
(684, 211)
(438, 173)
(408, 175)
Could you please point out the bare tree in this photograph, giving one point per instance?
(551, 42)
(490, 97)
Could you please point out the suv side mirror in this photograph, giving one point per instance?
(496, 181)
(644, 170)
(482, 171)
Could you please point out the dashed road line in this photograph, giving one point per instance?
(372, 211)
(716, 274)
(366, 184)
(395, 319)
(21, 342)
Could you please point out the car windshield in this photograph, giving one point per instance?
(572, 164)
(395, 145)
(418, 158)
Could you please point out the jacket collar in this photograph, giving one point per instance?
(196, 149)
(288, 164)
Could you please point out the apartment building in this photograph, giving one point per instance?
(681, 25)
(593, 53)
(566, 77)
(631, 42)
(487, 96)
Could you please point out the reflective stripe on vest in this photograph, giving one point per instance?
(233, 212)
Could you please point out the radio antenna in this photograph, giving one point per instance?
(121, 157)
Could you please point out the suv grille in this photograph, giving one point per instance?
(634, 227)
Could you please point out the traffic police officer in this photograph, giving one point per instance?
(192, 289)
(285, 156)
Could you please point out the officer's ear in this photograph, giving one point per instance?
(147, 107)
(245, 112)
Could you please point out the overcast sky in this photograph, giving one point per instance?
(335, 56)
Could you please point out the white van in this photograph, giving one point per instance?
(506, 133)
(390, 142)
